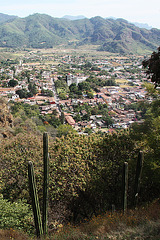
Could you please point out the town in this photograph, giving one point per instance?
(87, 90)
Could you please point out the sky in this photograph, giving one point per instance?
(141, 11)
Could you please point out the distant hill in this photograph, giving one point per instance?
(44, 31)
(137, 24)
(74, 17)
(5, 17)
(142, 25)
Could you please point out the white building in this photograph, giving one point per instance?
(74, 79)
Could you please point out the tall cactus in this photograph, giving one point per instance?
(138, 177)
(35, 200)
(124, 186)
(41, 226)
(45, 182)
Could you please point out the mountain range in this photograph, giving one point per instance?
(140, 25)
(44, 31)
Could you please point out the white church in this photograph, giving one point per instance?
(75, 79)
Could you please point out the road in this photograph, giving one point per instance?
(56, 97)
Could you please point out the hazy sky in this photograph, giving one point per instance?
(142, 11)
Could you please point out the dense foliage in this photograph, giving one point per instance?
(85, 171)
(23, 93)
(84, 175)
(153, 67)
(17, 215)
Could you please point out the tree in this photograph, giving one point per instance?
(153, 67)
(47, 92)
(12, 83)
(22, 93)
(64, 130)
(62, 118)
(84, 86)
(90, 95)
(32, 88)
(108, 120)
(62, 96)
(88, 130)
(73, 88)
(77, 118)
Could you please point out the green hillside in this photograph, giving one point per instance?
(6, 17)
(44, 31)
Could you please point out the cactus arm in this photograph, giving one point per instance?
(35, 200)
(138, 177)
(45, 183)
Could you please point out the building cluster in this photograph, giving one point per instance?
(116, 98)
(129, 90)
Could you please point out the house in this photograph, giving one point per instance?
(70, 120)
(4, 91)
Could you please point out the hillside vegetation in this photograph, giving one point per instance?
(44, 31)
(85, 175)
(85, 172)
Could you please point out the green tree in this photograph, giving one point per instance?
(153, 67)
(64, 130)
(77, 117)
(108, 120)
(47, 92)
(83, 86)
(22, 93)
(12, 83)
(62, 118)
(62, 96)
(73, 88)
(32, 88)
(88, 130)
(90, 95)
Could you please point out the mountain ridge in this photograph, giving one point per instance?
(6, 17)
(43, 31)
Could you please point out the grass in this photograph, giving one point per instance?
(121, 81)
(11, 234)
(140, 224)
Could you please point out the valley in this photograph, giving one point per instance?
(95, 91)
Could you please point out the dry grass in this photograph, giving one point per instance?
(139, 224)
(143, 223)
(11, 234)
(121, 81)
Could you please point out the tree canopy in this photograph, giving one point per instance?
(12, 83)
(153, 67)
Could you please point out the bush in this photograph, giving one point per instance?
(16, 215)
(85, 171)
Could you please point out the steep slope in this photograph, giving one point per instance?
(43, 31)
(130, 39)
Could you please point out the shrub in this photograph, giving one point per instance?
(16, 215)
